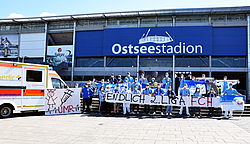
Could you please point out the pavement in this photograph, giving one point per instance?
(93, 128)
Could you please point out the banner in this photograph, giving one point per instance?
(163, 100)
(9, 46)
(231, 102)
(59, 54)
(193, 84)
(62, 101)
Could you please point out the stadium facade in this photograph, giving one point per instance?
(213, 41)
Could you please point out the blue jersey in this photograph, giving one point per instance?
(225, 86)
(185, 92)
(147, 91)
(136, 84)
(87, 92)
(130, 79)
(117, 91)
(231, 92)
(167, 81)
(101, 96)
(197, 94)
(181, 82)
(136, 92)
(143, 81)
(159, 91)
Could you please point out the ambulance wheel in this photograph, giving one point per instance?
(6, 111)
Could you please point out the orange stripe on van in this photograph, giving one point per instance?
(52, 74)
(10, 65)
(33, 68)
(33, 92)
(10, 92)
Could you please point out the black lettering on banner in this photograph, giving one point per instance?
(182, 100)
(110, 96)
(121, 96)
(153, 101)
(126, 98)
(133, 98)
(173, 99)
(116, 96)
(142, 98)
(162, 100)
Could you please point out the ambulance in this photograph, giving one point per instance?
(23, 86)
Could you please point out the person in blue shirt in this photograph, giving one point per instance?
(108, 105)
(143, 80)
(211, 93)
(136, 83)
(129, 77)
(126, 105)
(138, 92)
(147, 91)
(230, 91)
(119, 79)
(112, 79)
(169, 93)
(197, 93)
(101, 100)
(225, 84)
(158, 92)
(126, 81)
(167, 81)
(116, 105)
(184, 92)
(86, 92)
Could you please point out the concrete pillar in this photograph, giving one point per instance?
(73, 56)
(45, 41)
(210, 66)
(173, 86)
(138, 66)
(248, 57)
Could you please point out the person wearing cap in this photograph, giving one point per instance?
(230, 91)
(119, 79)
(184, 92)
(116, 105)
(211, 93)
(158, 92)
(170, 93)
(138, 92)
(136, 83)
(126, 105)
(143, 80)
(112, 79)
(129, 77)
(167, 81)
(86, 92)
(147, 91)
(197, 93)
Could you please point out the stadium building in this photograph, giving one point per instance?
(213, 41)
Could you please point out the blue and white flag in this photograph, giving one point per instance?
(231, 102)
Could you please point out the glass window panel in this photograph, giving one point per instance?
(90, 62)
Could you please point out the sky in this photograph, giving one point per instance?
(34, 8)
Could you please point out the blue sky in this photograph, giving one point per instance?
(33, 8)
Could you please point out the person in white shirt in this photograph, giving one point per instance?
(126, 105)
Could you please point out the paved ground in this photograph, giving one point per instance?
(92, 128)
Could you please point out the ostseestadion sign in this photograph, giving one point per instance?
(158, 41)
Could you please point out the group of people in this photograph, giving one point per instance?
(134, 86)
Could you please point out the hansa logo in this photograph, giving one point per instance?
(158, 46)
(155, 39)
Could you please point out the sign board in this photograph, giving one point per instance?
(62, 101)
(9, 46)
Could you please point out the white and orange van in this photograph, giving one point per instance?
(23, 86)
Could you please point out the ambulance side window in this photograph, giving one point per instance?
(57, 83)
(34, 76)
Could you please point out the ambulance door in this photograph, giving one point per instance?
(35, 82)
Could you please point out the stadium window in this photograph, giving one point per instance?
(218, 18)
(156, 61)
(187, 61)
(162, 20)
(192, 19)
(228, 61)
(90, 62)
(151, 20)
(121, 61)
(236, 17)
